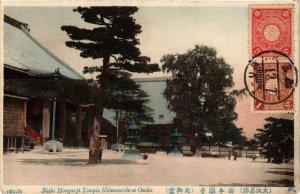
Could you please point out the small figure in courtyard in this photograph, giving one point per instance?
(198, 152)
(229, 154)
(253, 157)
(235, 154)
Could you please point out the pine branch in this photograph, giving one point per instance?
(92, 69)
(138, 67)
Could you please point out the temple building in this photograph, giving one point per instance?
(157, 135)
(153, 136)
(34, 116)
(40, 106)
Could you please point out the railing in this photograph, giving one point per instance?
(29, 131)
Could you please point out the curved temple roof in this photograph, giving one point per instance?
(23, 52)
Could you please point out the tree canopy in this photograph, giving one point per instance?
(126, 95)
(200, 91)
(113, 37)
(276, 136)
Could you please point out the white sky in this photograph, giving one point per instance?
(166, 30)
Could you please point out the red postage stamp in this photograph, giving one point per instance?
(270, 76)
(271, 30)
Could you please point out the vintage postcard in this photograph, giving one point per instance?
(149, 97)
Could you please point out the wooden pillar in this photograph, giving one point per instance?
(15, 144)
(23, 144)
(25, 113)
(24, 124)
(46, 118)
(62, 120)
(8, 144)
(90, 119)
(69, 131)
(11, 142)
(78, 124)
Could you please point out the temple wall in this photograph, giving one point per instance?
(14, 116)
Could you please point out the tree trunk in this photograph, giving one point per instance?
(94, 147)
(94, 144)
(95, 152)
(104, 73)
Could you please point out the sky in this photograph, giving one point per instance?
(165, 30)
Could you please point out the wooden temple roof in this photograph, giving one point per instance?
(24, 53)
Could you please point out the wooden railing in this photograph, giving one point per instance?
(30, 132)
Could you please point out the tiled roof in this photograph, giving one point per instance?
(161, 113)
(152, 79)
(23, 52)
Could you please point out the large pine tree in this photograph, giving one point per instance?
(113, 39)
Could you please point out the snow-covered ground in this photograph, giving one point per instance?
(69, 168)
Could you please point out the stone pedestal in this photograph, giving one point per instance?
(132, 153)
(117, 147)
(53, 146)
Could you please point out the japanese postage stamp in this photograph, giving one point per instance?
(274, 77)
(271, 29)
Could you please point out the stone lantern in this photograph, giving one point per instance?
(175, 140)
(132, 136)
(132, 153)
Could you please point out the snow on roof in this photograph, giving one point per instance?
(23, 52)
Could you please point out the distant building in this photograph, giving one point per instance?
(157, 135)
(158, 132)
(155, 88)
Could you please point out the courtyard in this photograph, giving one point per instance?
(69, 167)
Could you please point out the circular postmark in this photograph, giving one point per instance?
(271, 80)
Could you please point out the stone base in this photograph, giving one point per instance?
(175, 152)
(54, 146)
(117, 147)
(132, 154)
